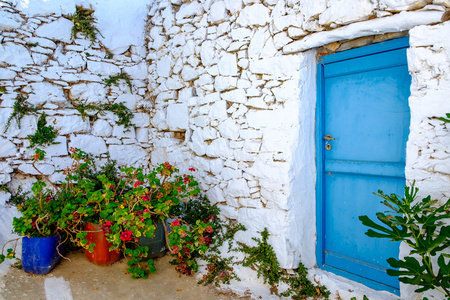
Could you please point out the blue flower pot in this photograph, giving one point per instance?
(40, 254)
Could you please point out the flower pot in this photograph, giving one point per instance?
(156, 245)
(40, 254)
(101, 254)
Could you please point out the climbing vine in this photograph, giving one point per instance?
(113, 79)
(44, 135)
(20, 109)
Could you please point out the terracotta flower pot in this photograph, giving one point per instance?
(101, 254)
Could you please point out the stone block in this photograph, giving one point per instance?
(219, 148)
(69, 124)
(254, 15)
(229, 129)
(401, 5)
(137, 72)
(198, 144)
(178, 117)
(7, 148)
(164, 66)
(45, 169)
(142, 135)
(88, 143)
(236, 96)
(89, 92)
(6, 74)
(215, 195)
(15, 55)
(233, 5)
(10, 21)
(129, 100)
(217, 13)
(59, 30)
(129, 155)
(188, 10)
(283, 67)
(120, 131)
(228, 64)
(189, 73)
(141, 120)
(225, 83)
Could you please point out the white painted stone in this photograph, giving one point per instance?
(189, 73)
(217, 13)
(296, 33)
(257, 219)
(142, 135)
(281, 39)
(259, 38)
(120, 131)
(43, 168)
(233, 5)
(228, 173)
(288, 91)
(102, 68)
(6, 74)
(219, 111)
(138, 71)
(198, 144)
(188, 10)
(400, 5)
(69, 124)
(7, 148)
(229, 129)
(129, 100)
(164, 66)
(215, 195)
(228, 64)
(241, 34)
(223, 83)
(5, 171)
(254, 15)
(282, 67)
(89, 92)
(178, 117)
(237, 96)
(346, 11)
(15, 55)
(396, 23)
(219, 148)
(58, 30)
(28, 125)
(207, 53)
(159, 120)
(129, 155)
(101, 128)
(9, 21)
(141, 119)
(88, 143)
(282, 23)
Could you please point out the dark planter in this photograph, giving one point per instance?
(101, 254)
(156, 245)
(40, 254)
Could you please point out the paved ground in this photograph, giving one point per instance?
(81, 279)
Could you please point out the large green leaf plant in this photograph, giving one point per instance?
(424, 227)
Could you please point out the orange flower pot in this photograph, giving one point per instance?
(101, 254)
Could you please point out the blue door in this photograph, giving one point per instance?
(362, 125)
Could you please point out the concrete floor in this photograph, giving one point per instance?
(81, 279)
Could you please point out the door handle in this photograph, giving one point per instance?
(328, 137)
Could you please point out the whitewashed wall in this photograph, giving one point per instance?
(227, 87)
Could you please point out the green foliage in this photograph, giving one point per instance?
(83, 22)
(114, 80)
(122, 112)
(446, 120)
(421, 225)
(219, 271)
(3, 90)
(18, 198)
(262, 258)
(20, 109)
(32, 44)
(44, 135)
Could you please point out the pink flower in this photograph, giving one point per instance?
(108, 223)
(126, 235)
(142, 220)
(137, 183)
(192, 169)
(175, 223)
(146, 210)
(175, 249)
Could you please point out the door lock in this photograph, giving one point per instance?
(328, 147)
(328, 137)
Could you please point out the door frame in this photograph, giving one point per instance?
(320, 208)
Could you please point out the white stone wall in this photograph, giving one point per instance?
(226, 87)
(240, 78)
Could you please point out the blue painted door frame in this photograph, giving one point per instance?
(362, 125)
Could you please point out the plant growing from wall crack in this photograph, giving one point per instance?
(262, 258)
(123, 113)
(20, 109)
(83, 22)
(44, 135)
(114, 80)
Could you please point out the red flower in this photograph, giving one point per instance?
(126, 235)
(111, 187)
(146, 210)
(137, 183)
(186, 180)
(209, 229)
(146, 197)
(192, 169)
(212, 218)
(201, 240)
(159, 195)
(175, 223)
(108, 223)
(167, 165)
(175, 249)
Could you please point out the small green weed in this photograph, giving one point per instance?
(83, 22)
(18, 198)
(44, 135)
(113, 80)
(122, 112)
(20, 109)
(3, 90)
